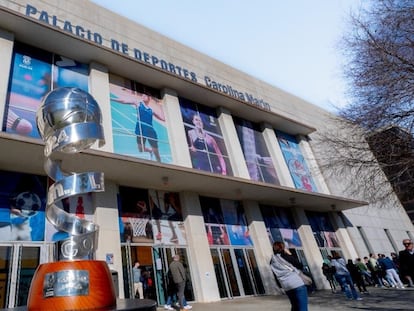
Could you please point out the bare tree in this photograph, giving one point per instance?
(379, 49)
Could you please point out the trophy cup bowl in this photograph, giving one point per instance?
(69, 121)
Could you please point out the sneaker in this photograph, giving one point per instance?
(359, 298)
(188, 307)
(168, 307)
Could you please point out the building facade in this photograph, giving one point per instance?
(200, 160)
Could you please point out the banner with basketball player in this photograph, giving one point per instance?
(150, 216)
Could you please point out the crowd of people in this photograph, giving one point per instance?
(379, 270)
(396, 271)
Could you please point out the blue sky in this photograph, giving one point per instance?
(291, 44)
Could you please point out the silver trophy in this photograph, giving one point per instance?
(70, 121)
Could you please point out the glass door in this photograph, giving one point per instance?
(6, 260)
(163, 256)
(18, 264)
(236, 272)
(142, 254)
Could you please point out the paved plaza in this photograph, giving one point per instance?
(381, 299)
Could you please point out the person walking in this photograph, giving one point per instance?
(172, 294)
(366, 275)
(373, 268)
(179, 278)
(356, 276)
(328, 272)
(343, 277)
(391, 274)
(406, 259)
(289, 279)
(138, 287)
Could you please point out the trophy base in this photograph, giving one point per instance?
(72, 285)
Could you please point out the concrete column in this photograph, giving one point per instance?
(277, 156)
(262, 246)
(344, 238)
(99, 89)
(313, 165)
(176, 133)
(234, 149)
(109, 241)
(6, 55)
(201, 264)
(310, 248)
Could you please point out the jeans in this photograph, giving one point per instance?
(298, 298)
(346, 283)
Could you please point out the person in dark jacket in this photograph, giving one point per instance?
(406, 259)
(356, 276)
(328, 272)
(179, 278)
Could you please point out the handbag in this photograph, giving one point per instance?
(307, 280)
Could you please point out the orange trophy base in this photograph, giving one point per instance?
(72, 285)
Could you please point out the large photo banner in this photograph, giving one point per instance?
(205, 140)
(34, 73)
(280, 226)
(295, 161)
(256, 155)
(225, 222)
(322, 229)
(139, 126)
(150, 216)
(135, 215)
(22, 206)
(167, 218)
